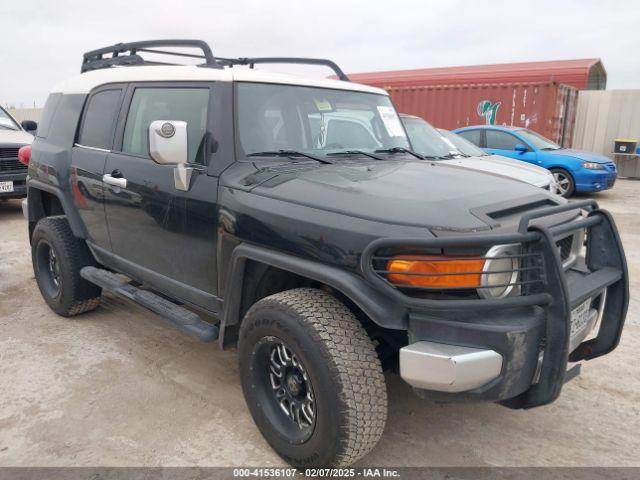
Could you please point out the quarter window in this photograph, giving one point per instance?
(184, 104)
(501, 140)
(472, 135)
(100, 119)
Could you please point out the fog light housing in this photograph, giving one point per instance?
(501, 271)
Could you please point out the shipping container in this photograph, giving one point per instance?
(546, 108)
(583, 74)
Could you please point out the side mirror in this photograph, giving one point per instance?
(168, 146)
(29, 125)
(168, 142)
(520, 148)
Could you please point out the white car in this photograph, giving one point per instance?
(13, 174)
(446, 146)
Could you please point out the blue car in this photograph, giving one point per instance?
(574, 170)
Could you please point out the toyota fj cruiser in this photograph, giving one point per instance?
(327, 251)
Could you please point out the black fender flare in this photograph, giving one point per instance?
(35, 212)
(379, 307)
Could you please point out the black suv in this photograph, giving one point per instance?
(293, 212)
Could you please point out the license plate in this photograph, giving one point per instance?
(6, 187)
(580, 317)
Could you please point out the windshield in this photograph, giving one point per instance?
(538, 140)
(315, 121)
(462, 144)
(427, 141)
(6, 122)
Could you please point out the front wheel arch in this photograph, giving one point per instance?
(375, 305)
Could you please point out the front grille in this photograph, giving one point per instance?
(9, 160)
(9, 152)
(11, 165)
(610, 166)
(565, 245)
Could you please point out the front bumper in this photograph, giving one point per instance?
(448, 368)
(595, 180)
(454, 345)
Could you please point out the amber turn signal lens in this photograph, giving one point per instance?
(435, 271)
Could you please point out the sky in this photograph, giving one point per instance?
(44, 40)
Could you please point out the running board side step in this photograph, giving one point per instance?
(184, 319)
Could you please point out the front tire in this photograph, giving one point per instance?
(564, 180)
(312, 379)
(57, 257)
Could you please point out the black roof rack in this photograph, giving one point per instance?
(230, 62)
(95, 60)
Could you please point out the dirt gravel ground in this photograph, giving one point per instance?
(118, 387)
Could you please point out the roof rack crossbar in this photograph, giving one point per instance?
(230, 62)
(165, 52)
(94, 59)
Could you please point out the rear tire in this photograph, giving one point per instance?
(57, 257)
(564, 180)
(304, 347)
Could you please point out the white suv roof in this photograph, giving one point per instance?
(87, 81)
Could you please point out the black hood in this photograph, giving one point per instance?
(404, 192)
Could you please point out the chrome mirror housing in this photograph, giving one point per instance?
(168, 142)
(168, 145)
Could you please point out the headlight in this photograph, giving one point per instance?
(592, 166)
(493, 275)
(501, 271)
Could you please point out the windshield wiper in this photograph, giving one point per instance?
(356, 152)
(289, 153)
(400, 150)
(8, 127)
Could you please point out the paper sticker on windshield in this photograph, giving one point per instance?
(323, 105)
(391, 121)
(449, 142)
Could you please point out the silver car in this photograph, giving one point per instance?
(446, 146)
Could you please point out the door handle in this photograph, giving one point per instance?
(116, 182)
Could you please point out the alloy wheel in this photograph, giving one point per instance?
(291, 385)
(563, 182)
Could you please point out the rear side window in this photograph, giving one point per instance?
(149, 104)
(501, 140)
(100, 119)
(472, 135)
